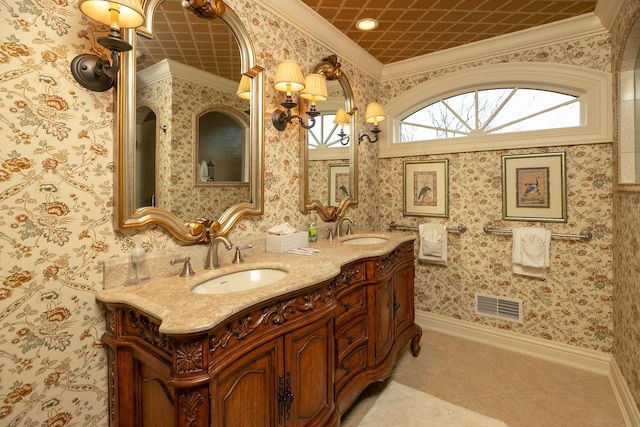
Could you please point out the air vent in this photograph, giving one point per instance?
(499, 307)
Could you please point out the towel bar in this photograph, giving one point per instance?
(584, 234)
(461, 228)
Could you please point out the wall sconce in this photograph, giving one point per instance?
(374, 114)
(91, 71)
(289, 79)
(342, 119)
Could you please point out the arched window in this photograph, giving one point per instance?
(500, 106)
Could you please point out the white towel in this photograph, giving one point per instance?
(203, 172)
(433, 243)
(531, 251)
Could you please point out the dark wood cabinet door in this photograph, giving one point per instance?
(309, 366)
(246, 391)
(403, 304)
(383, 320)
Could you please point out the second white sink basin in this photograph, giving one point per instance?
(240, 281)
(364, 240)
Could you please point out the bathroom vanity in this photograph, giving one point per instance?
(297, 352)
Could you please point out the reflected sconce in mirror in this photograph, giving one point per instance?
(374, 114)
(244, 88)
(91, 71)
(313, 88)
(342, 119)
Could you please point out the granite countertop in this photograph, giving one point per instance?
(170, 299)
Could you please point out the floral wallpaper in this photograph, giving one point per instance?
(626, 298)
(56, 198)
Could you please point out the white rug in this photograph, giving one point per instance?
(399, 405)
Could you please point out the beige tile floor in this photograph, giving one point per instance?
(522, 391)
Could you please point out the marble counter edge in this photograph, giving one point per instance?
(170, 299)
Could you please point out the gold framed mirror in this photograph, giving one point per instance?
(192, 211)
(329, 151)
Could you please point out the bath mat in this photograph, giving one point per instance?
(399, 405)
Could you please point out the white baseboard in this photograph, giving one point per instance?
(564, 354)
(623, 395)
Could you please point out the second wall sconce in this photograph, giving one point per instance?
(92, 71)
(289, 79)
(374, 114)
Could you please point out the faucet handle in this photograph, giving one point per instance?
(187, 271)
(238, 258)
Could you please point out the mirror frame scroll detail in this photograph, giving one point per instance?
(197, 229)
(331, 68)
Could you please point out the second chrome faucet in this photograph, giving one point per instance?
(212, 254)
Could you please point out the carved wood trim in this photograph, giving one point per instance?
(351, 273)
(111, 379)
(276, 314)
(191, 406)
(149, 331)
(189, 357)
(388, 262)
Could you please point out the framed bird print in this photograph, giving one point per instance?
(338, 183)
(534, 187)
(426, 188)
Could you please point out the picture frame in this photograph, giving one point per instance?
(534, 187)
(339, 186)
(426, 188)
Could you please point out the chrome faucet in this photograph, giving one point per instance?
(212, 254)
(338, 231)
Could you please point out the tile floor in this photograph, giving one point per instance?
(521, 391)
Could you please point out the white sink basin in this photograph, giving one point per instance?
(240, 281)
(365, 240)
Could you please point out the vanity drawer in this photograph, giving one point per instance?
(351, 303)
(351, 335)
(354, 363)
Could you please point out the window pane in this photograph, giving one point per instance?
(486, 111)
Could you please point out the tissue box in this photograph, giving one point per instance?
(286, 242)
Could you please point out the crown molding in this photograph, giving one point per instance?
(308, 22)
(607, 11)
(170, 68)
(558, 32)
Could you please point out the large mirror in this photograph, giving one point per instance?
(329, 150)
(191, 137)
(629, 140)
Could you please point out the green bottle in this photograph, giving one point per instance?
(312, 227)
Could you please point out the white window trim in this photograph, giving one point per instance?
(593, 85)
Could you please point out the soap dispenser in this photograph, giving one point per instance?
(138, 269)
(312, 227)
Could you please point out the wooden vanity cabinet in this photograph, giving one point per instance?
(296, 360)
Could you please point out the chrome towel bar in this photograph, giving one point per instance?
(460, 228)
(584, 234)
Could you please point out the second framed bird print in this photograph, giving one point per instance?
(426, 188)
(338, 183)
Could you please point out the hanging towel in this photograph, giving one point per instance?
(203, 172)
(531, 251)
(433, 243)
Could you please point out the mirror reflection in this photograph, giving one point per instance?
(191, 161)
(329, 149)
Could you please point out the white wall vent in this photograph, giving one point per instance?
(499, 307)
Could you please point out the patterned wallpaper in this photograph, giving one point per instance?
(56, 179)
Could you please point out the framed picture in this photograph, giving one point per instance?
(534, 187)
(339, 186)
(426, 188)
